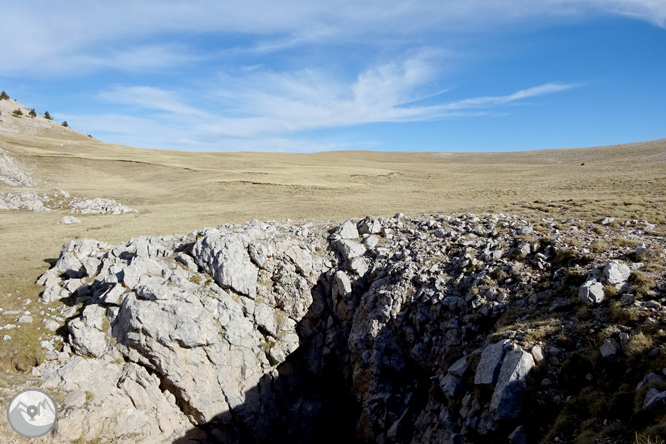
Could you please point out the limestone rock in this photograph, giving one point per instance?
(609, 348)
(512, 381)
(128, 403)
(227, 259)
(347, 230)
(68, 220)
(591, 292)
(349, 249)
(488, 369)
(616, 273)
(369, 226)
(654, 398)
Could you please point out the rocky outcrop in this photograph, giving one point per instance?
(11, 173)
(58, 200)
(437, 329)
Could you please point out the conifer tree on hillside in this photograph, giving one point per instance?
(17, 112)
(32, 113)
(48, 116)
(65, 124)
(4, 96)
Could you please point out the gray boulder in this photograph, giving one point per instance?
(349, 249)
(591, 292)
(609, 348)
(506, 402)
(616, 273)
(369, 226)
(347, 230)
(654, 398)
(488, 368)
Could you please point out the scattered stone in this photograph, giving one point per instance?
(347, 230)
(616, 273)
(537, 354)
(25, 319)
(519, 435)
(99, 206)
(652, 377)
(349, 249)
(67, 220)
(591, 292)
(654, 398)
(609, 348)
(369, 226)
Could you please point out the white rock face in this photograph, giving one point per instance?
(12, 174)
(349, 248)
(127, 403)
(227, 259)
(257, 333)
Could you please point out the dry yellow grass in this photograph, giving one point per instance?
(178, 192)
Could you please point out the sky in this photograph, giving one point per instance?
(308, 76)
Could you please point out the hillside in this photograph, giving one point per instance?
(560, 217)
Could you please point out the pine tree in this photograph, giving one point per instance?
(48, 116)
(4, 96)
(17, 112)
(32, 113)
(65, 124)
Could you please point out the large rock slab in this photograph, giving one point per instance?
(506, 402)
(106, 399)
(488, 369)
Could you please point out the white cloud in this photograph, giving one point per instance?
(150, 98)
(486, 102)
(264, 110)
(46, 36)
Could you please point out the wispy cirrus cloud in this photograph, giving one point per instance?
(46, 38)
(257, 109)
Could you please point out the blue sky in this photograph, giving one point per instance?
(304, 76)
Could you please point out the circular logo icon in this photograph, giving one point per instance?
(32, 413)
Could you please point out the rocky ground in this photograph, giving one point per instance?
(60, 199)
(436, 329)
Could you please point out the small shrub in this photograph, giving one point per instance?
(622, 242)
(17, 113)
(638, 344)
(610, 291)
(641, 283)
(568, 257)
(4, 96)
(629, 315)
(65, 124)
(48, 116)
(598, 246)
